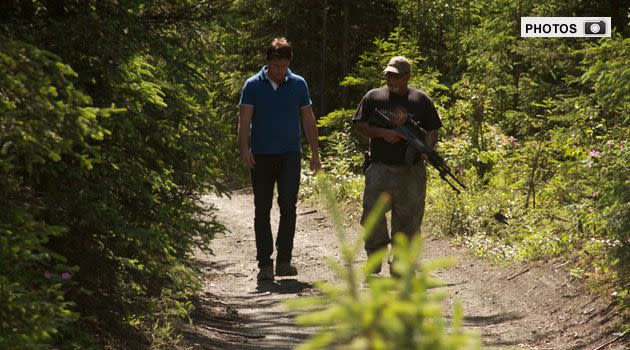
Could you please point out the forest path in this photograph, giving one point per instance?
(527, 306)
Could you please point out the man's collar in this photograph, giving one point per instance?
(264, 75)
(395, 94)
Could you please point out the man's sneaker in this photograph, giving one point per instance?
(265, 273)
(286, 269)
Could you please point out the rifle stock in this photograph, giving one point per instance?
(411, 130)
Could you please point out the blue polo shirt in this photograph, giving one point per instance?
(276, 121)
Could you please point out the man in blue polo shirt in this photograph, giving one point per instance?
(272, 103)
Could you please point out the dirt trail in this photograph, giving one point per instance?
(530, 306)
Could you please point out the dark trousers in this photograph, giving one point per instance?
(283, 169)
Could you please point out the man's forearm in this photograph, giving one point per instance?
(243, 138)
(311, 137)
(244, 124)
(310, 129)
(369, 131)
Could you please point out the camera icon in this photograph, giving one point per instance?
(595, 28)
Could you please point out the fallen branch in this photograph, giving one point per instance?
(517, 274)
(618, 338)
(561, 265)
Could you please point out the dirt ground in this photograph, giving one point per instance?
(524, 306)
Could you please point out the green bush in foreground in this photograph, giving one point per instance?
(392, 313)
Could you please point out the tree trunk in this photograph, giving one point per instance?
(344, 49)
(531, 188)
(56, 8)
(477, 134)
(322, 101)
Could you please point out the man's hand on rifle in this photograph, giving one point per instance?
(424, 147)
(393, 136)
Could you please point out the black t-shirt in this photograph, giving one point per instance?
(415, 103)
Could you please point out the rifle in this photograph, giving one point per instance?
(412, 132)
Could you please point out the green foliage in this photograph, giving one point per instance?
(393, 313)
(102, 213)
(607, 72)
(368, 73)
(338, 141)
(44, 115)
(32, 283)
(564, 189)
(536, 127)
(46, 130)
(342, 158)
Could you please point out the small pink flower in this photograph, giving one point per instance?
(594, 194)
(593, 153)
(622, 144)
(47, 274)
(331, 158)
(66, 276)
(512, 141)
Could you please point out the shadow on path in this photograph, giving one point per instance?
(284, 286)
(492, 319)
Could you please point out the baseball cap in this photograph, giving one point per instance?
(398, 64)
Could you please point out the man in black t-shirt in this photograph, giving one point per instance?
(395, 168)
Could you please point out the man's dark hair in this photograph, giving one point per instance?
(279, 48)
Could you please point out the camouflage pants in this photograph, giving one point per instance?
(407, 187)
